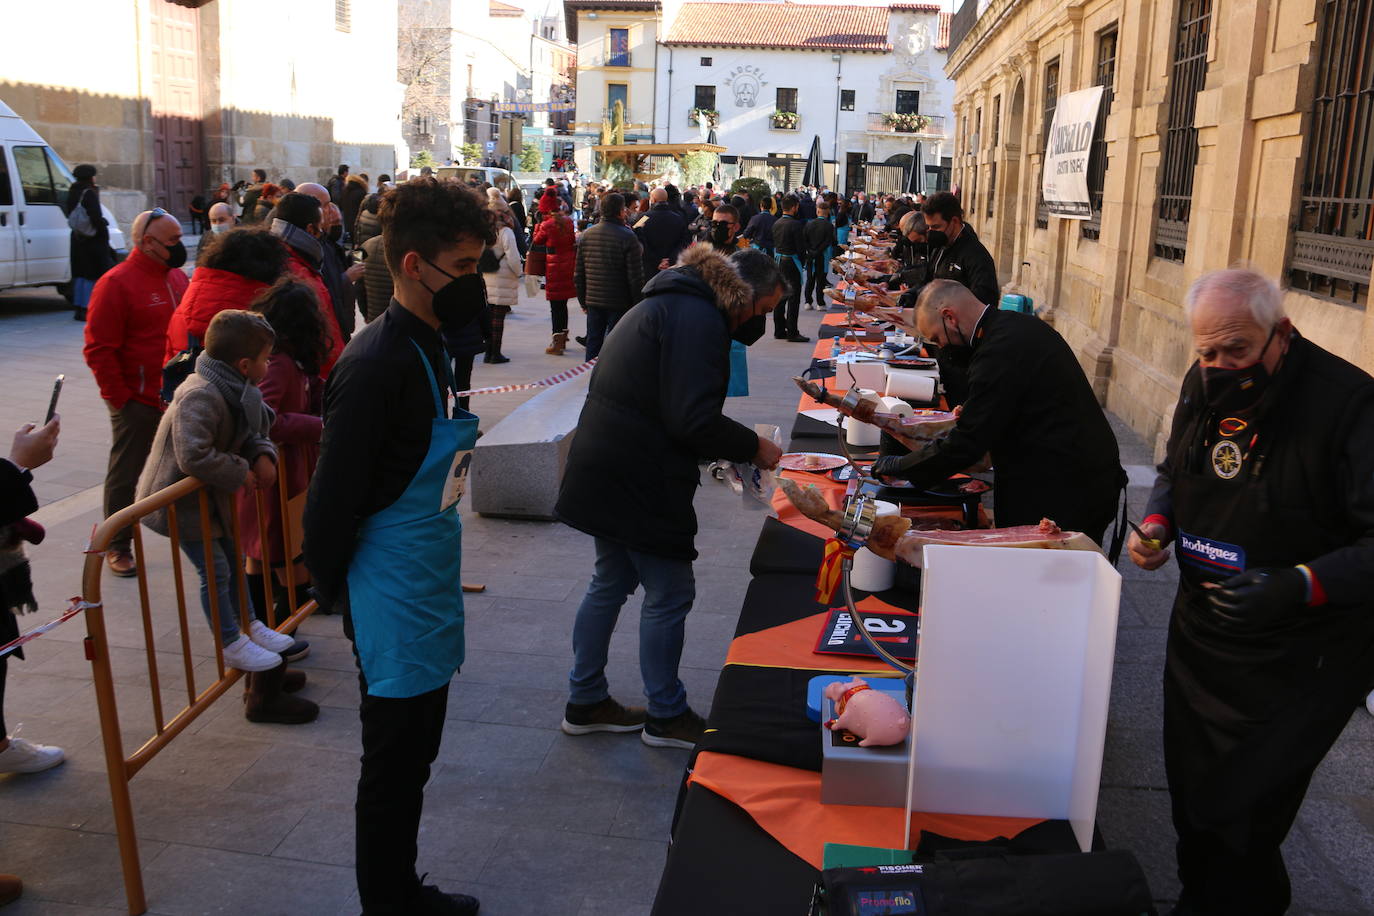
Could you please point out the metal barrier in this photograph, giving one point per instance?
(121, 768)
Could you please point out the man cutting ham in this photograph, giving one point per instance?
(1267, 495)
(1029, 406)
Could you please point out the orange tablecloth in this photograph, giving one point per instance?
(786, 802)
(792, 645)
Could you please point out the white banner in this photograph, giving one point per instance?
(1064, 183)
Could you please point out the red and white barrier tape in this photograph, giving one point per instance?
(560, 378)
(77, 607)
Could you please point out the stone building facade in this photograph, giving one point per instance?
(181, 96)
(1234, 132)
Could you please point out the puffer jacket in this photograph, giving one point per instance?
(211, 292)
(377, 285)
(126, 329)
(660, 383)
(556, 232)
(610, 271)
(503, 286)
(201, 436)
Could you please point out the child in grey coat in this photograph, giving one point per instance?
(216, 431)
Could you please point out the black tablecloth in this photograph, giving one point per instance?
(784, 549)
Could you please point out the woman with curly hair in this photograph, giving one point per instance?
(292, 389)
(503, 283)
(233, 267)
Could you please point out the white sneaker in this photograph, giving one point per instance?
(1369, 702)
(26, 757)
(246, 655)
(269, 638)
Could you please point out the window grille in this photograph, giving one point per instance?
(1104, 75)
(1188, 72)
(1042, 212)
(1333, 245)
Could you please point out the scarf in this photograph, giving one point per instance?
(244, 398)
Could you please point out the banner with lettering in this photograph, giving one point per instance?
(1065, 180)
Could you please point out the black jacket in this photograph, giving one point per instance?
(610, 268)
(866, 211)
(663, 233)
(1319, 465)
(787, 236)
(377, 413)
(333, 265)
(653, 410)
(820, 237)
(91, 256)
(760, 229)
(967, 261)
(1030, 406)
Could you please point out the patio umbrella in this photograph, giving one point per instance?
(814, 176)
(916, 181)
(715, 171)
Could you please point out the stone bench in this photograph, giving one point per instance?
(517, 465)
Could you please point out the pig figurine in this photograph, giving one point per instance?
(871, 715)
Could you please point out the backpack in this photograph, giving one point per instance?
(79, 220)
(179, 368)
(490, 261)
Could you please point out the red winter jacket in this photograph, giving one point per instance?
(211, 292)
(556, 232)
(309, 275)
(126, 329)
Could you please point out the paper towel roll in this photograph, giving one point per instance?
(896, 407)
(863, 435)
(871, 572)
(910, 385)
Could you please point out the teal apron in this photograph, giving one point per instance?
(404, 587)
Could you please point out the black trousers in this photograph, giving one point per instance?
(400, 740)
(462, 375)
(4, 670)
(558, 314)
(817, 271)
(787, 310)
(134, 425)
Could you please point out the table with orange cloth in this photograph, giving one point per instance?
(749, 832)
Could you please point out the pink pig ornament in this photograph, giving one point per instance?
(876, 718)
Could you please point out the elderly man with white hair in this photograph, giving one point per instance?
(1267, 495)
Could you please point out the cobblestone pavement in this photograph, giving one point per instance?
(243, 818)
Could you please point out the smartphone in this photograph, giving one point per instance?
(52, 405)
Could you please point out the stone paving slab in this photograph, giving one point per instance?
(238, 818)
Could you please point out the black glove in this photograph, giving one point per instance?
(894, 465)
(1259, 595)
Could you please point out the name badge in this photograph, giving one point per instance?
(457, 482)
(1215, 557)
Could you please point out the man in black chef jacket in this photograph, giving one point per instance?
(1029, 406)
(955, 253)
(383, 539)
(1267, 494)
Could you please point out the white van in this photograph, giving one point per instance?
(497, 178)
(35, 241)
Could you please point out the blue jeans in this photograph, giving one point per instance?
(600, 322)
(669, 590)
(226, 585)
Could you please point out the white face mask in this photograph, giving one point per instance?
(217, 228)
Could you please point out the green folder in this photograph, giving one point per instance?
(842, 855)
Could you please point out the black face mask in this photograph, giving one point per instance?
(720, 233)
(750, 331)
(335, 233)
(955, 354)
(176, 254)
(458, 301)
(936, 239)
(1236, 390)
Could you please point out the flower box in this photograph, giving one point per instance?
(906, 123)
(784, 120)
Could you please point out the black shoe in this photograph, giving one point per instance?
(581, 341)
(606, 716)
(79, 314)
(430, 901)
(496, 358)
(299, 650)
(779, 336)
(798, 338)
(682, 731)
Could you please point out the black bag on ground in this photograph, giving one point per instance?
(1080, 884)
(179, 368)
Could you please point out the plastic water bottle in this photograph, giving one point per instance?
(835, 347)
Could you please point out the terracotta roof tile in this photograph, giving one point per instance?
(915, 7)
(942, 34)
(811, 26)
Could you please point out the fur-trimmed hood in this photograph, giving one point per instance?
(702, 266)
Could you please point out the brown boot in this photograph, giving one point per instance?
(268, 703)
(292, 682)
(560, 343)
(11, 889)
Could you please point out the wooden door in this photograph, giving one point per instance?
(178, 164)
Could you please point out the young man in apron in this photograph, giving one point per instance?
(383, 538)
(1267, 493)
